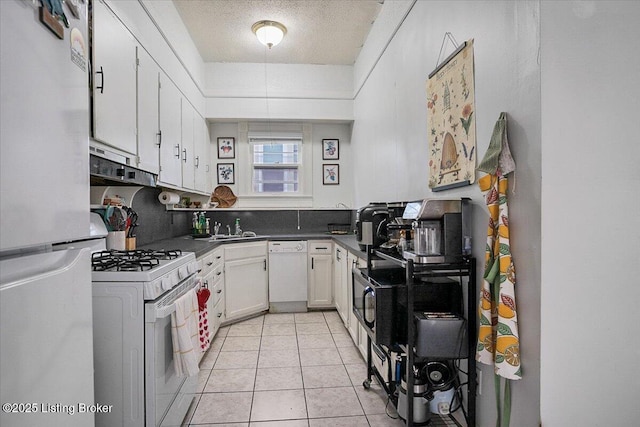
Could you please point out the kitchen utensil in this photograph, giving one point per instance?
(118, 219)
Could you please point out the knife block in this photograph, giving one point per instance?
(130, 243)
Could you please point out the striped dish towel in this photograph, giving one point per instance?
(185, 336)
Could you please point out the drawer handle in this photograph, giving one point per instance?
(219, 314)
(324, 248)
(312, 263)
(209, 264)
(219, 291)
(219, 256)
(218, 273)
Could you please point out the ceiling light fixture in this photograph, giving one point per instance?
(269, 33)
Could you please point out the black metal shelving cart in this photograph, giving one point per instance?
(418, 275)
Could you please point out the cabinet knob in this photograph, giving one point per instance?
(219, 291)
(209, 264)
(219, 314)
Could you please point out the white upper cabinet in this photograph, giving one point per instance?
(202, 155)
(186, 151)
(114, 81)
(170, 133)
(148, 113)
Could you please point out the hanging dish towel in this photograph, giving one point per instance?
(184, 333)
(203, 319)
(498, 339)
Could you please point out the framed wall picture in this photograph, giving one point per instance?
(330, 149)
(226, 173)
(226, 148)
(330, 174)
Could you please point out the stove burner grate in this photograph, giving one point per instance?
(134, 260)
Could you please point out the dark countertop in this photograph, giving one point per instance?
(201, 246)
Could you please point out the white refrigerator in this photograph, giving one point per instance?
(46, 349)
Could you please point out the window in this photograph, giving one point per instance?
(276, 164)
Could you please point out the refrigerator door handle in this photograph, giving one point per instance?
(101, 87)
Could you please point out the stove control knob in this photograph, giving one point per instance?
(192, 268)
(166, 283)
(183, 272)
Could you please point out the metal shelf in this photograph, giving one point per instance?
(465, 268)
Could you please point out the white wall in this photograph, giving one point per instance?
(320, 196)
(279, 91)
(390, 155)
(590, 345)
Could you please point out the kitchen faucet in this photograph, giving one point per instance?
(228, 230)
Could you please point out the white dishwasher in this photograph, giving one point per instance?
(288, 276)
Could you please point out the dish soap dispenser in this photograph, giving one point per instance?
(238, 231)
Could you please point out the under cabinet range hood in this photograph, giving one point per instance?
(104, 171)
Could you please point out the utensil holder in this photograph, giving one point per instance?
(116, 240)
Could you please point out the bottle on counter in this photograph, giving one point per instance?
(238, 231)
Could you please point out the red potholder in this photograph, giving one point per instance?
(203, 297)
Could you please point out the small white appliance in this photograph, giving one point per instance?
(133, 298)
(288, 276)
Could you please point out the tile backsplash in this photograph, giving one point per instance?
(156, 223)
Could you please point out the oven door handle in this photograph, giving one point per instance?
(166, 306)
(367, 290)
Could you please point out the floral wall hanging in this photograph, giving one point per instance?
(451, 121)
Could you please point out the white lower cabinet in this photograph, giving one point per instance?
(340, 283)
(246, 279)
(211, 267)
(320, 278)
(353, 326)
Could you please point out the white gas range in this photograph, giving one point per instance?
(133, 298)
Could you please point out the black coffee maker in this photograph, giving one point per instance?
(371, 223)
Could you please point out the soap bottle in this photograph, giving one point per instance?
(195, 223)
(238, 230)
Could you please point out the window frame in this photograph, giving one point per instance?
(298, 139)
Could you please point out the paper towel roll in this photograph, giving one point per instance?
(169, 198)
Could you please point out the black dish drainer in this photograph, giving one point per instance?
(414, 272)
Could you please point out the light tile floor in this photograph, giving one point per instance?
(289, 370)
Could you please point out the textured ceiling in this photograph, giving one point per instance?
(318, 31)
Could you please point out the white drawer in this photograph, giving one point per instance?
(320, 246)
(217, 290)
(211, 260)
(245, 250)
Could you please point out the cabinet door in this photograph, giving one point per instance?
(170, 118)
(357, 331)
(148, 112)
(246, 287)
(201, 154)
(114, 81)
(340, 283)
(320, 281)
(188, 159)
